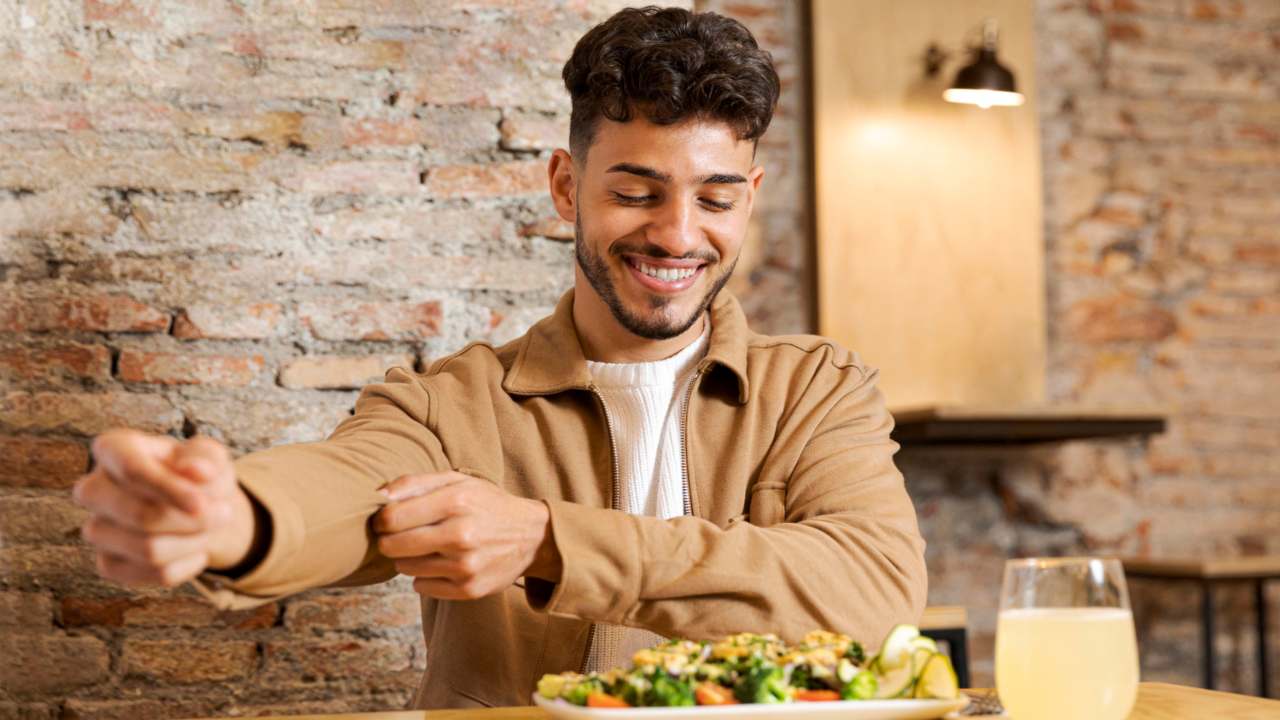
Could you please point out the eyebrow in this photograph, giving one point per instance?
(652, 174)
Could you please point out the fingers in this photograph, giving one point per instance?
(129, 572)
(443, 498)
(432, 566)
(139, 462)
(446, 589)
(408, 486)
(205, 461)
(100, 495)
(148, 549)
(452, 536)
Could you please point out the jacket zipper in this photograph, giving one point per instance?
(615, 499)
(684, 442)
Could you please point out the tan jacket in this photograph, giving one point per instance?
(799, 518)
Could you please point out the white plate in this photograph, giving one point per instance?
(852, 709)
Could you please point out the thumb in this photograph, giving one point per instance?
(207, 462)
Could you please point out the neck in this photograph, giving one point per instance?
(604, 339)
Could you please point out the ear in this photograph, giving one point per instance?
(564, 184)
(754, 178)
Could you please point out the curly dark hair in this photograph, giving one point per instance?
(670, 65)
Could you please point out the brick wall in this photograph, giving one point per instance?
(224, 218)
(196, 209)
(1161, 148)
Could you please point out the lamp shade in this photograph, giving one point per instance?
(985, 82)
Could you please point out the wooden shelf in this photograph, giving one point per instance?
(1249, 567)
(960, 425)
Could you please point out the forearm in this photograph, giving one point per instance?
(687, 577)
(317, 499)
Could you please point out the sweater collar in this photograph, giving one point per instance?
(549, 357)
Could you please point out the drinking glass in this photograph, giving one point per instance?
(1065, 644)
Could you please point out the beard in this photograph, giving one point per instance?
(660, 325)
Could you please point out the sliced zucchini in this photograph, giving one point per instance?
(897, 647)
(937, 679)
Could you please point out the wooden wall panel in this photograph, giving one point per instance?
(929, 232)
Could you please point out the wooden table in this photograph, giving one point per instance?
(1156, 701)
(1208, 572)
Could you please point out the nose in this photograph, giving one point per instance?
(674, 227)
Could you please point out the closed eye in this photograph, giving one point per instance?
(633, 199)
(718, 205)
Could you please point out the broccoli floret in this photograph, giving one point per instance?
(863, 686)
(855, 653)
(633, 688)
(579, 692)
(666, 691)
(801, 677)
(761, 683)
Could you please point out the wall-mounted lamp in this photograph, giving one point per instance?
(984, 81)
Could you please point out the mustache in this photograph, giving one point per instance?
(648, 249)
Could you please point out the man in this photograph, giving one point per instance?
(638, 465)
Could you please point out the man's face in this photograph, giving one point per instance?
(661, 213)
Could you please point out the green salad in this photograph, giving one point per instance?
(751, 668)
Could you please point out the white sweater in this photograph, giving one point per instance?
(645, 403)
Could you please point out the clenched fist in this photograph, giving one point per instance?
(463, 538)
(163, 510)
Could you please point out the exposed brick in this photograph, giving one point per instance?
(27, 711)
(308, 660)
(340, 132)
(534, 131)
(188, 662)
(378, 177)
(56, 364)
(492, 180)
(554, 227)
(42, 462)
(30, 611)
(338, 48)
(276, 129)
(87, 413)
(291, 416)
(60, 567)
(58, 212)
(161, 612)
(167, 170)
(1119, 319)
(459, 131)
(63, 663)
(372, 321)
(97, 313)
(181, 369)
(339, 372)
(447, 227)
(40, 520)
(146, 709)
(355, 612)
(248, 322)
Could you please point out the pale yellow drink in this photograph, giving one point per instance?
(1066, 663)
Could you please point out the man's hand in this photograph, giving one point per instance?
(163, 510)
(463, 538)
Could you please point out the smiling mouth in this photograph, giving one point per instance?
(664, 273)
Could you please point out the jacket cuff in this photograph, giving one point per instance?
(600, 556)
(287, 533)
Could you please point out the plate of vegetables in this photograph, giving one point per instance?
(826, 673)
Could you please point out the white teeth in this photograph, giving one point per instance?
(666, 274)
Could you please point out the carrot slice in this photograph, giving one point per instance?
(605, 700)
(713, 694)
(817, 695)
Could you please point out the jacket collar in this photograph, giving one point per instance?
(549, 357)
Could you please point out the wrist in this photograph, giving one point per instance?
(230, 546)
(546, 564)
